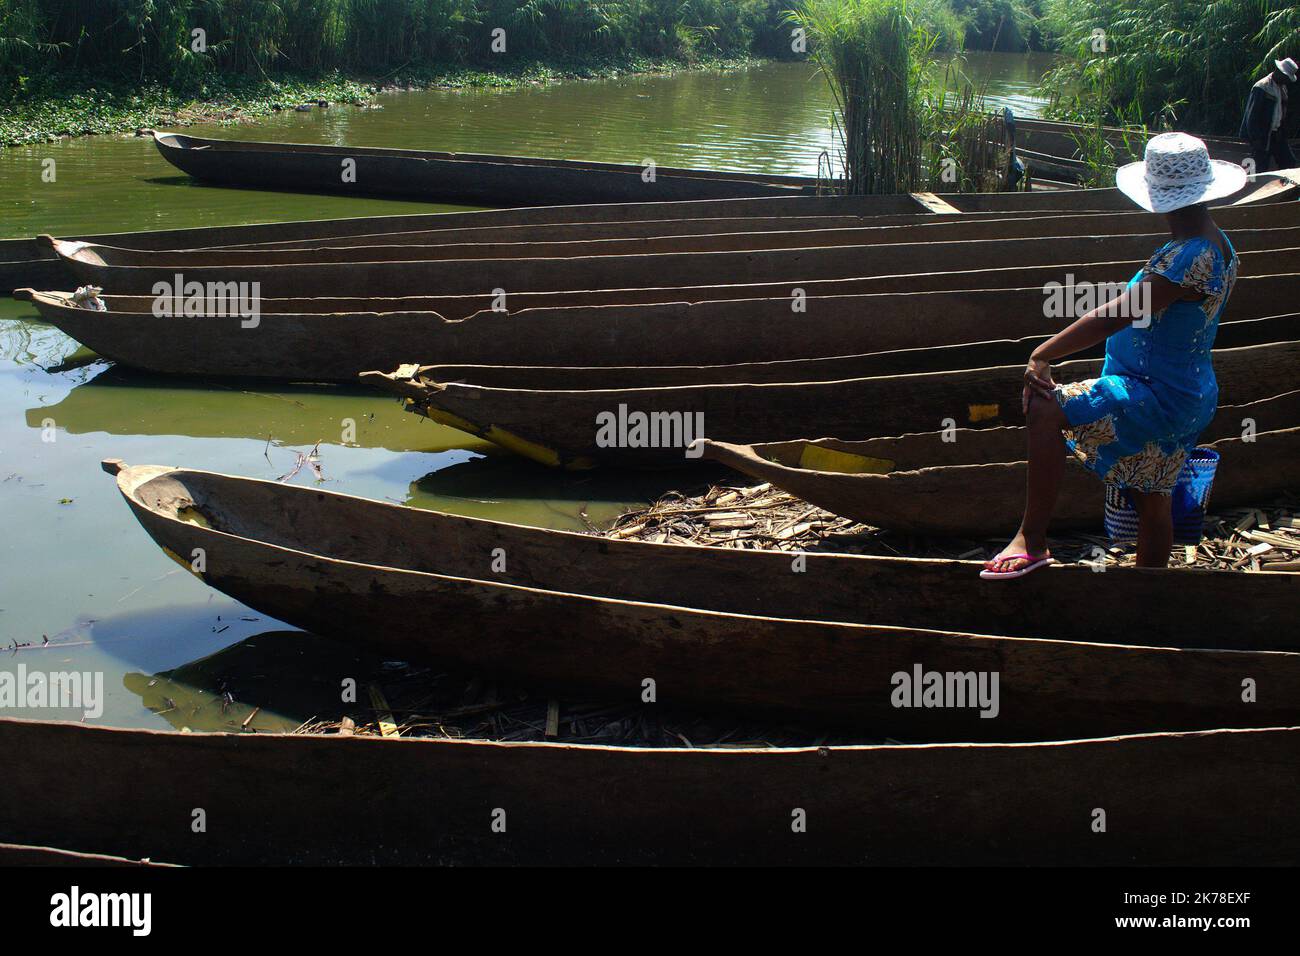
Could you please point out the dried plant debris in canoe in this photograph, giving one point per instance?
(418, 702)
(1264, 538)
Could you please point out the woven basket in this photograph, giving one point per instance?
(1191, 496)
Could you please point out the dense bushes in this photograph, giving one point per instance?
(153, 39)
(1185, 63)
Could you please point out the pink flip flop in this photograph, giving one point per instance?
(1034, 564)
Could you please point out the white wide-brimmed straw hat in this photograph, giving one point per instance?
(1287, 67)
(1178, 172)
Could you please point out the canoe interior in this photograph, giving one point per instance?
(838, 587)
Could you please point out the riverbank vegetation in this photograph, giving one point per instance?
(157, 39)
(1166, 63)
(71, 67)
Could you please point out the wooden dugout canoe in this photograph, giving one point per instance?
(28, 257)
(471, 178)
(1061, 139)
(905, 267)
(651, 427)
(840, 302)
(905, 332)
(978, 500)
(370, 799)
(870, 255)
(833, 587)
(27, 262)
(1261, 208)
(941, 358)
(978, 446)
(266, 546)
(719, 236)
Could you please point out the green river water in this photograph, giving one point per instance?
(79, 572)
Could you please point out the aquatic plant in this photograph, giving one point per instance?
(901, 124)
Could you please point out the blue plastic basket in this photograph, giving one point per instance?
(1190, 497)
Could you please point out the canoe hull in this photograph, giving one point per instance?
(838, 674)
(274, 799)
(28, 262)
(834, 587)
(491, 181)
(885, 335)
(653, 427)
(891, 247)
(126, 270)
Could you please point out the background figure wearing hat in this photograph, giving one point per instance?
(1264, 123)
(1135, 425)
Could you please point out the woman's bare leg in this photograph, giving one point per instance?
(1155, 529)
(1046, 422)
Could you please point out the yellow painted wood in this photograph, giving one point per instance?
(817, 458)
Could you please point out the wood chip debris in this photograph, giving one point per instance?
(760, 517)
(424, 702)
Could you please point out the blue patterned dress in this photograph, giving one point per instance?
(1135, 425)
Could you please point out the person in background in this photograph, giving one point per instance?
(1135, 425)
(1264, 123)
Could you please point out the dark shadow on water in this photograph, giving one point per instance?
(169, 181)
(153, 638)
(270, 682)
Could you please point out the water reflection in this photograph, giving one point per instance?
(507, 488)
(125, 402)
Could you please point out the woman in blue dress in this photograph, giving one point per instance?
(1135, 425)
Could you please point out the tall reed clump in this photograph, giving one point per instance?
(900, 123)
(864, 48)
(1180, 63)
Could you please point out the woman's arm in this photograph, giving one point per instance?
(1141, 300)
